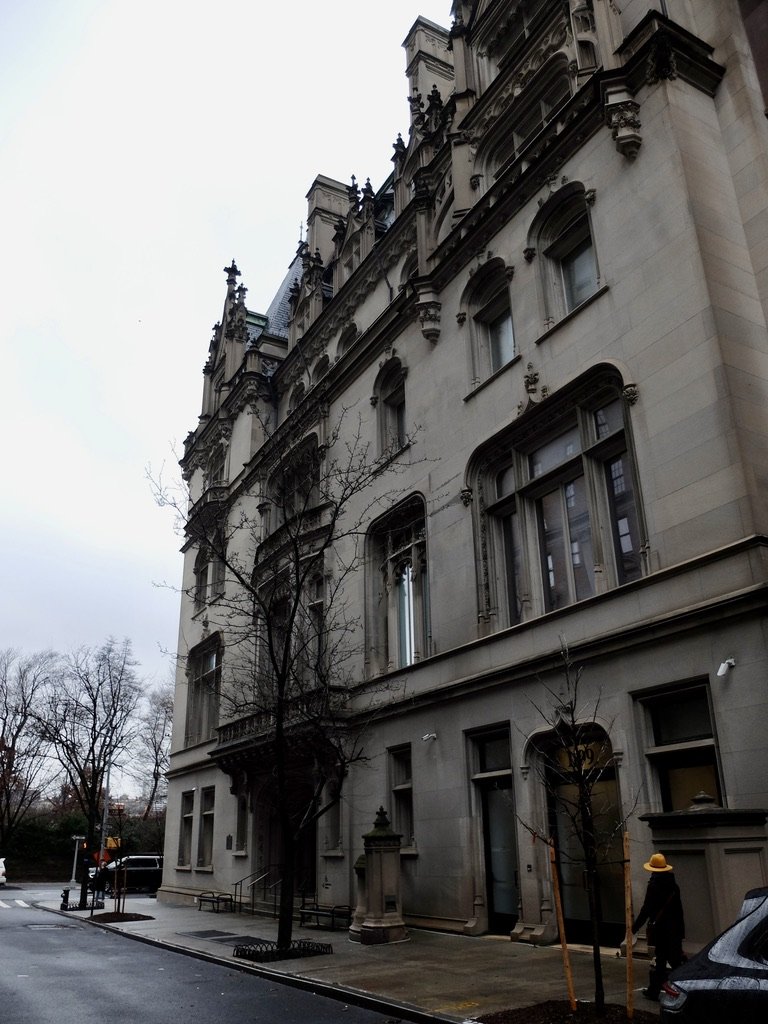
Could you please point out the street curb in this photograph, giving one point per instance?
(340, 993)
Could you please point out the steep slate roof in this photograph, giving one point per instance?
(278, 313)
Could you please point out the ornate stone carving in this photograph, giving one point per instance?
(531, 379)
(630, 393)
(529, 253)
(429, 318)
(625, 128)
(466, 496)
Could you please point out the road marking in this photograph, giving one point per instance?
(4, 905)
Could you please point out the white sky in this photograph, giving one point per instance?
(143, 145)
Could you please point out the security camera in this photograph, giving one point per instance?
(725, 667)
(429, 736)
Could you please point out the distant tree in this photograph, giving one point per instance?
(25, 772)
(88, 719)
(153, 745)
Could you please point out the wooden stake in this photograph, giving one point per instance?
(629, 917)
(567, 970)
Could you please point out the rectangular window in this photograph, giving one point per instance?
(402, 793)
(682, 746)
(218, 572)
(502, 341)
(241, 829)
(399, 620)
(579, 273)
(204, 677)
(185, 831)
(510, 528)
(205, 837)
(624, 522)
(568, 561)
(493, 753)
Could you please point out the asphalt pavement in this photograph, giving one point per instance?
(431, 976)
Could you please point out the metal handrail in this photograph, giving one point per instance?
(276, 890)
(238, 887)
(253, 879)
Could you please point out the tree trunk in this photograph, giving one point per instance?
(287, 885)
(593, 895)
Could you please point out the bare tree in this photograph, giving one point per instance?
(153, 744)
(574, 757)
(24, 770)
(276, 554)
(88, 718)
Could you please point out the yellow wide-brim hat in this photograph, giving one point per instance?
(658, 862)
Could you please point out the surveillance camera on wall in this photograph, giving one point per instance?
(725, 667)
(429, 736)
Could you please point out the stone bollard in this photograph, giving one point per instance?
(383, 921)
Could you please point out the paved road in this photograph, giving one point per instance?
(57, 970)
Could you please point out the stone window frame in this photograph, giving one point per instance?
(206, 831)
(512, 574)
(400, 772)
(560, 233)
(398, 611)
(389, 398)
(698, 749)
(487, 300)
(203, 692)
(210, 578)
(538, 102)
(186, 828)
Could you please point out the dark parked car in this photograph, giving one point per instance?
(138, 872)
(727, 980)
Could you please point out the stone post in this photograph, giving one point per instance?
(361, 908)
(383, 920)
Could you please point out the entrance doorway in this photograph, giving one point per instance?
(566, 826)
(493, 781)
(500, 842)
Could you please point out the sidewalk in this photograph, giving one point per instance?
(431, 976)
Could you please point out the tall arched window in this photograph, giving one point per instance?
(492, 335)
(561, 235)
(398, 619)
(389, 399)
(202, 572)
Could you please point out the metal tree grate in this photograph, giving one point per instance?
(265, 951)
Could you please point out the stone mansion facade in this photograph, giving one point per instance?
(551, 319)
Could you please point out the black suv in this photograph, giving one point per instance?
(138, 872)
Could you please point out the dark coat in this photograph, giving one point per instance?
(662, 907)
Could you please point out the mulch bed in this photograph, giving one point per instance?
(559, 1012)
(115, 918)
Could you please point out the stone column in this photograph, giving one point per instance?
(383, 920)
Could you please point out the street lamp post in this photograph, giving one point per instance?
(78, 840)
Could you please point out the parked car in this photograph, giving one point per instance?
(138, 872)
(728, 979)
(2, 870)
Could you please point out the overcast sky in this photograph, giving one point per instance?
(144, 144)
